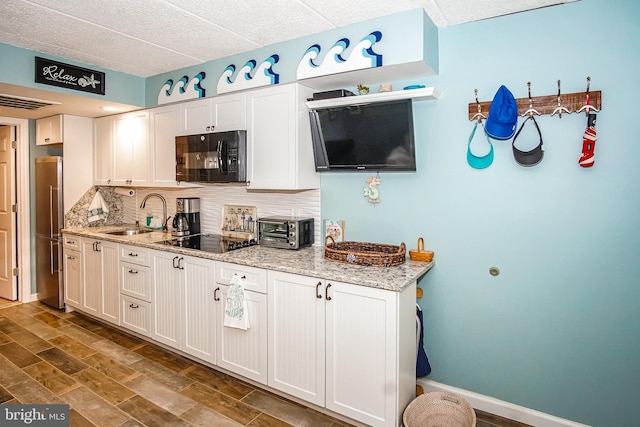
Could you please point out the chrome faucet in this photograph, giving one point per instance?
(165, 219)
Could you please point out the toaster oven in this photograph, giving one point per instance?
(285, 233)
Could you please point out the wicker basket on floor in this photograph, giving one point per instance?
(364, 253)
(439, 409)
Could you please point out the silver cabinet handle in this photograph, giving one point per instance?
(133, 271)
(134, 306)
(70, 257)
(51, 257)
(326, 292)
(318, 295)
(215, 294)
(133, 254)
(51, 232)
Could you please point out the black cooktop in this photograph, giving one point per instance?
(214, 243)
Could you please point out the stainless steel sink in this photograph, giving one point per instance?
(130, 231)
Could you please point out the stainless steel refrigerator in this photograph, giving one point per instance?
(49, 221)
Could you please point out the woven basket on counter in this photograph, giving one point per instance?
(439, 409)
(420, 254)
(363, 253)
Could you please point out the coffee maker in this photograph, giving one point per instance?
(186, 222)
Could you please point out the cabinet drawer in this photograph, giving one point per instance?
(71, 242)
(135, 255)
(135, 281)
(136, 314)
(255, 278)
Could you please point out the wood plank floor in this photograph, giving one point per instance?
(110, 378)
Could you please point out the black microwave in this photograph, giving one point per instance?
(212, 157)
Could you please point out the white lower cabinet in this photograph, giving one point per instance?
(136, 314)
(348, 348)
(344, 342)
(296, 336)
(183, 314)
(135, 288)
(240, 351)
(73, 278)
(100, 290)
(72, 271)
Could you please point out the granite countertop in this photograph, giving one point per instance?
(307, 261)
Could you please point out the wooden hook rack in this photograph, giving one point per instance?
(545, 104)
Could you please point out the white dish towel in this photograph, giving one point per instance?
(236, 314)
(98, 209)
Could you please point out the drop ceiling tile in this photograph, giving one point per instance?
(341, 13)
(159, 23)
(265, 23)
(460, 11)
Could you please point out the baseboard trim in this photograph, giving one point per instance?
(500, 407)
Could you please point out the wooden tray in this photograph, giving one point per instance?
(364, 253)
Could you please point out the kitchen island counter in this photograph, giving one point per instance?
(307, 261)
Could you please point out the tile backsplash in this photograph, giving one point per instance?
(126, 209)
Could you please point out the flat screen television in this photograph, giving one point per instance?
(377, 136)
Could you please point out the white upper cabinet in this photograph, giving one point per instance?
(218, 114)
(196, 117)
(279, 150)
(122, 149)
(132, 160)
(103, 150)
(164, 125)
(49, 130)
(230, 112)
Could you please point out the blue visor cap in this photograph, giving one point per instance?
(479, 162)
(503, 115)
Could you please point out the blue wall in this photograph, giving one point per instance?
(558, 329)
(17, 67)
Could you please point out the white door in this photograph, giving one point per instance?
(110, 309)
(103, 150)
(92, 276)
(73, 278)
(296, 336)
(131, 163)
(8, 283)
(240, 351)
(270, 131)
(230, 112)
(199, 308)
(196, 117)
(168, 285)
(361, 362)
(164, 126)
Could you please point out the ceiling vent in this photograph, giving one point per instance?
(24, 103)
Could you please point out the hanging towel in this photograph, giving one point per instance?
(236, 314)
(98, 209)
